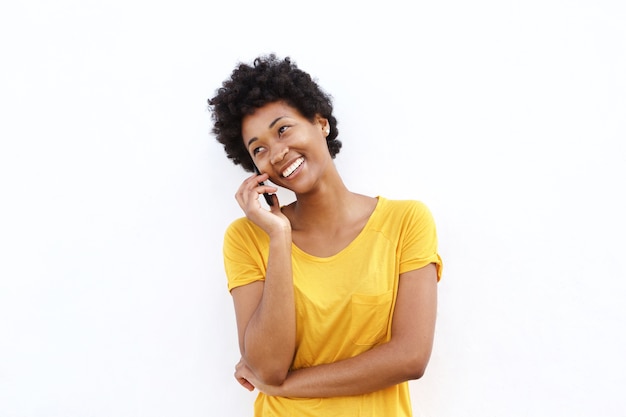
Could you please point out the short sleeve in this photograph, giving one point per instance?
(245, 251)
(418, 243)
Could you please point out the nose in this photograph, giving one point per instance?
(279, 156)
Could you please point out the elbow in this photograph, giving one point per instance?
(272, 377)
(415, 367)
(416, 372)
(268, 372)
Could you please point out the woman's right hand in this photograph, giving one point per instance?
(248, 198)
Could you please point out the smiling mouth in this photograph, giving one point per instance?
(291, 168)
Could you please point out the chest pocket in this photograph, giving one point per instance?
(370, 317)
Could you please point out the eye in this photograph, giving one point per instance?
(282, 129)
(255, 151)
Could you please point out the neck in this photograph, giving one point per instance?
(327, 207)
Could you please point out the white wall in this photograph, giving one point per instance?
(507, 118)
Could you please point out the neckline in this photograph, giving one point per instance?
(349, 246)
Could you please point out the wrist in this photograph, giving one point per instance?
(280, 233)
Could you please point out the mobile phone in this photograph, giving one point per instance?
(268, 198)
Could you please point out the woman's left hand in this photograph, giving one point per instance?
(247, 379)
(243, 375)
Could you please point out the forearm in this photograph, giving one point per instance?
(376, 369)
(269, 339)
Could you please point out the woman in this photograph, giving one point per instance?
(335, 294)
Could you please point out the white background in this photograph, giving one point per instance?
(507, 118)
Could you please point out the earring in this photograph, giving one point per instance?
(328, 131)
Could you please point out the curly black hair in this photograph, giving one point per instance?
(268, 80)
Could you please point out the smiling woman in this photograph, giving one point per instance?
(335, 293)
(278, 131)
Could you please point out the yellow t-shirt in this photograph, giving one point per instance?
(345, 302)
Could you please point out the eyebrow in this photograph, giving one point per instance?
(271, 125)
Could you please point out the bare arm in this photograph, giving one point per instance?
(265, 311)
(403, 358)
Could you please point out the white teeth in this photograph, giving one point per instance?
(293, 167)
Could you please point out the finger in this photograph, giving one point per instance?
(262, 177)
(247, 193)
(256, 179)
(253, 186)
(244, 382)
(266, 189)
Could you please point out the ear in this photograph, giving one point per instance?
(324, 124)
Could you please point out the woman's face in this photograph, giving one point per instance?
(286, 145)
